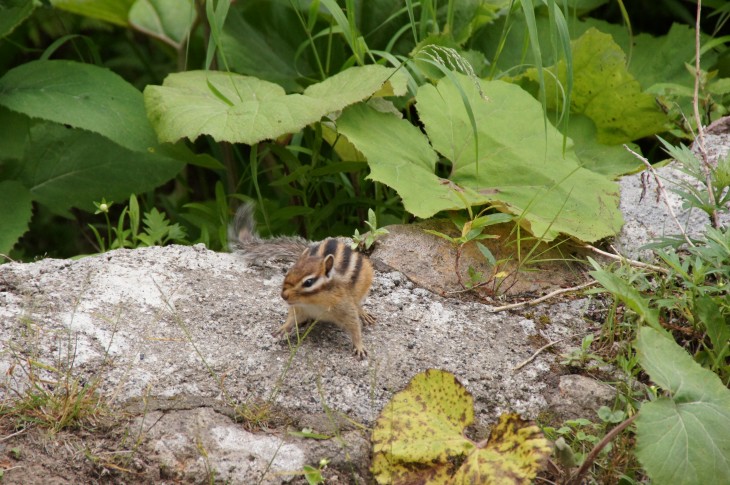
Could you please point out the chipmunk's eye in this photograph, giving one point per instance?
(309, 282)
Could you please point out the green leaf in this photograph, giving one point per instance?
(718, 328)
(516, 170)
(156, 226)
(14, 134)
(13, 13)
(80, 95)
(683, 438)
(114, 11)
(168, 20)
(313, 475)
(89, 97)
(629, 295)
(261, 40)
(655, 59)
(186, 106)
(609, 160)
(309, 434)
(487, 254)
(452, 240)
(16, 207)
(604, 91)
(399, 156)
(65, 167)
(470, 16)
(608, 416)
(661, 59)
(521, 169)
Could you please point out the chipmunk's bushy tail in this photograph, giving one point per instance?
(245, 241)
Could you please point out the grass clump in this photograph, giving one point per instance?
(52, 399)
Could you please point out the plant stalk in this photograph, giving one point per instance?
(588, 462)
(706, 169)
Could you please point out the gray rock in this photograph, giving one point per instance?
(580, 397)
(430, 261)
(645, 211)
(187, 325)
(200, 442)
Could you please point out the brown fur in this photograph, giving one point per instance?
(327, 282)
(333, 297)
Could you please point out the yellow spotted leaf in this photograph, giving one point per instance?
(419, 433)
(515, 452)
(419, 438)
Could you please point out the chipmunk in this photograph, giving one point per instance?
(327, 282)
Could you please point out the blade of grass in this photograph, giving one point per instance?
(465, 100)
(528, 9)
(349, 31)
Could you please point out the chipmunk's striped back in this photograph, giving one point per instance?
(347, 263)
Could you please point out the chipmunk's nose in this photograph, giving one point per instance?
(285, 294)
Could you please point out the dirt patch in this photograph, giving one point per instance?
(105, 454)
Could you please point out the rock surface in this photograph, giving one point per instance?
(579, 396)
(181, 338)
(430, 261)
(644, 208)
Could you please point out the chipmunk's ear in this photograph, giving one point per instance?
(329, 263)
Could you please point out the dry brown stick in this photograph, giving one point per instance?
(663, 191)
(705, 164)
(4, 438)
(542, 298)
(576, 478)
(618, 257)
(532, 357)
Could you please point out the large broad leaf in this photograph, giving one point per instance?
(605, 91)
(12, 14)
(419, 438)
(168, 20)
(13, 135)
(89, 97)
(683, 438)
(609, 160)
(65, 167)
(16, 209)
(114, 11)
(399, 156)
(241, 109)
(521, 168)
(655, 59)
(80, 95)
(659, 63)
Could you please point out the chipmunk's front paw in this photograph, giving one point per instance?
(281, 332)
(285, 330)
(360, 352)
(366, 318)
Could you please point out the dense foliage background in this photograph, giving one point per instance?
(76, 128)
